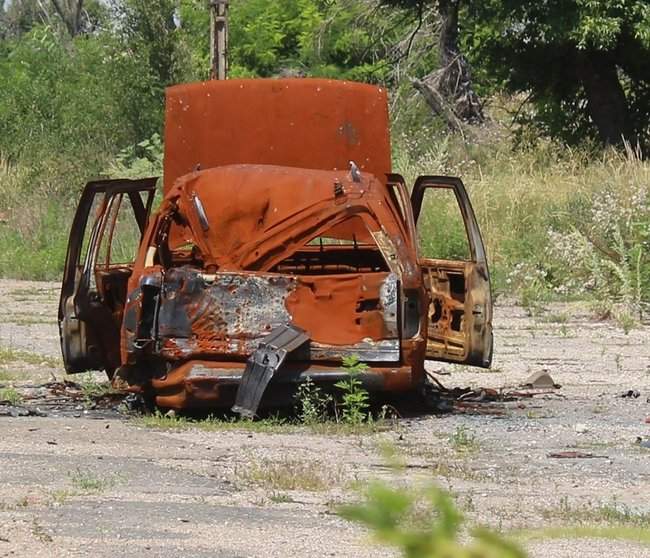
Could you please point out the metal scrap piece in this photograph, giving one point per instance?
(263, 364)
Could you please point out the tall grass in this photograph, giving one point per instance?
(556, 222)
(35, 216)
(38, 200)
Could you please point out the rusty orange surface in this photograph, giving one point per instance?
(305, 123)
(259, 214)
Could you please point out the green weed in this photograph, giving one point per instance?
(11, 396)
(555, 318)
(60, 497)
(354, 399)
(313, 404)
(281, 498)
(89, 482)
(93, 389)
(463, 441)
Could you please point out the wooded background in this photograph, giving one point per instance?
(542, 106)
(77, 70)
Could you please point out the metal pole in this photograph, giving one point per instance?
(219, 39)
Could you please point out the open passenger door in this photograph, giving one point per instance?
(460, 312)
(104, 238)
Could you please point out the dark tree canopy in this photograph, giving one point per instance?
(448, 88)
(585, 63)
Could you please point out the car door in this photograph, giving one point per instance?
(104, 238)
(454, 265)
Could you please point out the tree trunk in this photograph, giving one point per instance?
(451, 84)
(70, 13)
(606, 102)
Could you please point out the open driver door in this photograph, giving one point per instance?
(460, 311)
(104, 238)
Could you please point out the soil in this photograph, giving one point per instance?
(86, 478)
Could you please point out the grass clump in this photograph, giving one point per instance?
(162, 421)
(464, 441)
(92, 389)
(9, 356)
(610, 514)
(621, 533)
(291, 474)
(11, 396)
(89, 482)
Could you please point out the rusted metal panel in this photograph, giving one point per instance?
(259, 215)
(305, 123)
(229, 314)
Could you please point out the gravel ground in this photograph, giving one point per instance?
(82, 482)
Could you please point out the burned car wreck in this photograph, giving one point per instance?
(283, 243)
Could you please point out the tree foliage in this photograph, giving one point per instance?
(96, 84)
(350, 39)
(584, 63)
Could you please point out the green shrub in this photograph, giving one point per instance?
(313, 405)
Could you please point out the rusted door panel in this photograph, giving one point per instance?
(229, 313)
(457, 328)
(89, 314)
(460, 312)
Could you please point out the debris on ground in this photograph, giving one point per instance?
(484, 401)
(631, 394)
(62, 398)
(20, 411)
(71, 399)
(643, 443)
(575, 455)
(540, 380)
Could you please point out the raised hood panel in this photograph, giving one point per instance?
(305, 123)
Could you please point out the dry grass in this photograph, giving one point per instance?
(543, 219)
(292, 474)
(9, 356)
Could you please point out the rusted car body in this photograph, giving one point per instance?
(283, 243)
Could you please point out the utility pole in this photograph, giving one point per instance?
(219, 39)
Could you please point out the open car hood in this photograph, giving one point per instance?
(305, 123)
